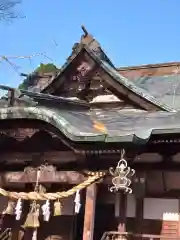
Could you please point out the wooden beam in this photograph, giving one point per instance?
(50, 157)
(163, 166)
(89, 217)
(70, 177)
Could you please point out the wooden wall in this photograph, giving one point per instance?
(160, 216)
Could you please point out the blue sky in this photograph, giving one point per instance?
(131, 32)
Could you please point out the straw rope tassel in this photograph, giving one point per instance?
(57, 208)
(32, 220)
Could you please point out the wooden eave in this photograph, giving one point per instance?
(113, 126)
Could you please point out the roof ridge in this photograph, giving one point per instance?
(144, 66)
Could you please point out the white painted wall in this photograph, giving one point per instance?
(159, 209)
(155, 208)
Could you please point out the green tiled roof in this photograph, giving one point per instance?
(165, 88)
(119, 125)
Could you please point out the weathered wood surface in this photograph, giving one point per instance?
(51, 157)
(70, 177)
(142, 162)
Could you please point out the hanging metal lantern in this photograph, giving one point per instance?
(121, 176)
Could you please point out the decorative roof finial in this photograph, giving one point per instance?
(85, 31)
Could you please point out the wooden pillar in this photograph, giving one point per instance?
(89, 217)
(120, 211)
(139, 216)
(139, 188)
(179, 217)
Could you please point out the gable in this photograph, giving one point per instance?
(79, 75)
(90, 88)
(78, 79)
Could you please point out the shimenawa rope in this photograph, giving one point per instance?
(50, 196)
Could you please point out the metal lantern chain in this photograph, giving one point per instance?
(121, 176)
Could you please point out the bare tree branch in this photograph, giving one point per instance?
(11, 60)
(8, 11)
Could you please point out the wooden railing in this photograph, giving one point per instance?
(132, 236)
(6, 234)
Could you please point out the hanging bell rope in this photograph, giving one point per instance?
(51, 196)
(32, 220)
